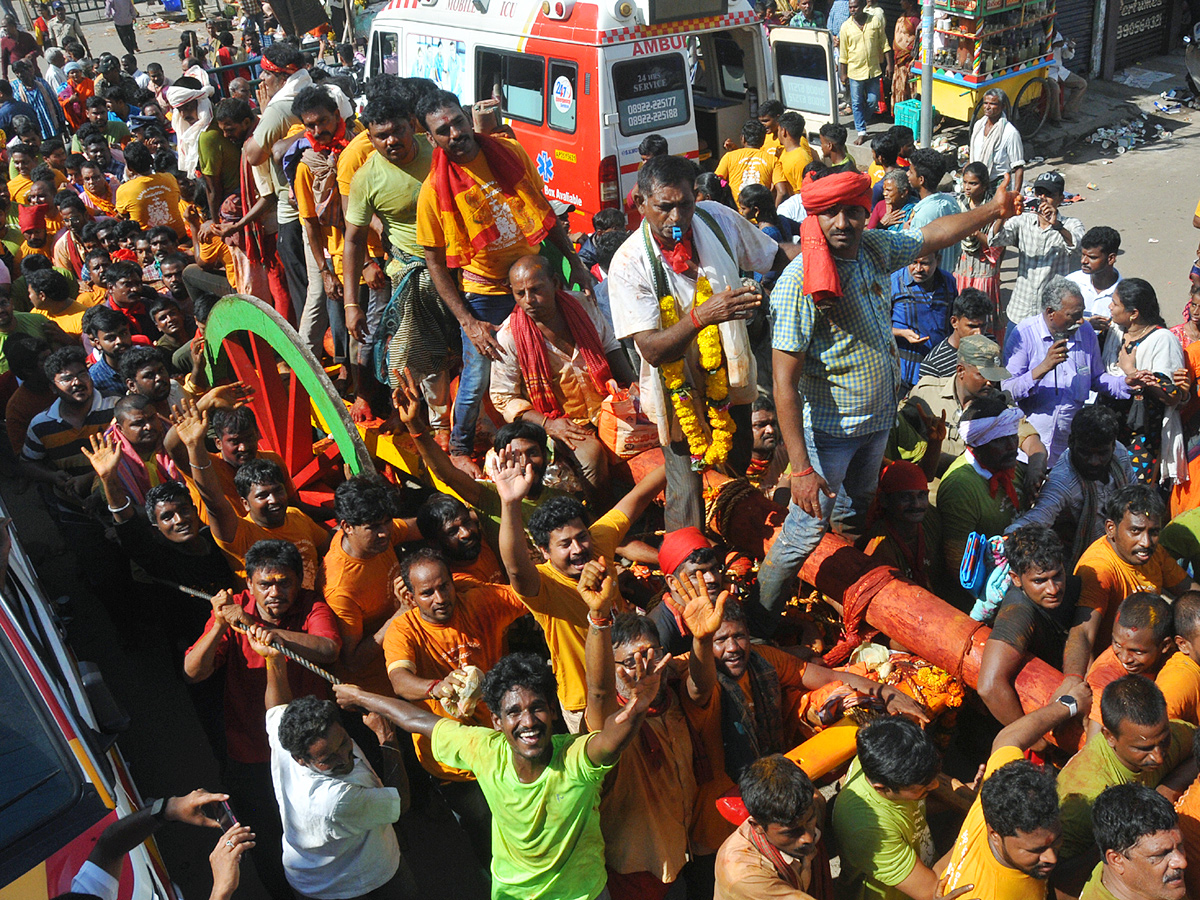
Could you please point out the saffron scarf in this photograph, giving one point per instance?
(322, 162)
(821, 281)
(465, 213)
(535, 364)
(132, 469)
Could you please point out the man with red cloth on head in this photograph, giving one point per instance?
(835, 365)
(480, 210)
(557, 356)
(32, 220)
(899, 536)
(676, 289)
(685, 554)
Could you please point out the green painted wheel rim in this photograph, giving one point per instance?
(236, 313)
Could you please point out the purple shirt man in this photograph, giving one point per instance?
(1055, 363)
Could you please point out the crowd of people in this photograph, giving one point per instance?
(518, 629)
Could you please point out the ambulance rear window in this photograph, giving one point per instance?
(651, 93)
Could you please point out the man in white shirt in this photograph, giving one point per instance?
(1097, 276)
(55, 76)
(338, 840)
(686, 249)
(996, 143)
(1066, 88)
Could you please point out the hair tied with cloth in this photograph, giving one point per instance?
(977, 432)
(821, 280)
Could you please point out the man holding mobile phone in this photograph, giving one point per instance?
(1055, 363)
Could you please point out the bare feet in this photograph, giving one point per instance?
(466, 464)
(442, 437)
(360, 412)
(860, 140)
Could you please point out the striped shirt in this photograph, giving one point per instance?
(851, 371)
(58, 444)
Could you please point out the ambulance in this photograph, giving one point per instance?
(582, 82)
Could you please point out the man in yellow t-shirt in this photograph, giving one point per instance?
(319, 205)
(769, 112)
(261, 485)
(797, 153)
(149, 198)
(1143, 847)
(1008, 845)
(1127, 559)
(753, 164)
(1179, 678)
(864, 55)
(496, 218)
(567, 544)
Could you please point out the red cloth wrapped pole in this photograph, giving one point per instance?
(923, 622)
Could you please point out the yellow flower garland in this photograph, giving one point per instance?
(706, 453)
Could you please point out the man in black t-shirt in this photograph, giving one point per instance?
(1039, 617)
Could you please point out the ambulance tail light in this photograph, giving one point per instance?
(557, 9)
(610, 186)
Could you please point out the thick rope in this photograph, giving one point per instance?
(287, 652)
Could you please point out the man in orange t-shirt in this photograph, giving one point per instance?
(361, 575)
(237, 440)
(260, 484)
(1141, 644)
(1126, 560)
(452, 624)
(509, 216)
(450, 526)
(1179, 678)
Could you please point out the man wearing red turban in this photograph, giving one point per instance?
(835, 364)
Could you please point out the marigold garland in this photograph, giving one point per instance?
(706, 453)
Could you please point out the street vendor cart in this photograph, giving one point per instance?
(985, 44)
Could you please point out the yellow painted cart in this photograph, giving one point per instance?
(984, 44)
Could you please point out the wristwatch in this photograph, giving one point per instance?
(158, 809)
(1069, 702)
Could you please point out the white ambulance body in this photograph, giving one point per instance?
(582, 83)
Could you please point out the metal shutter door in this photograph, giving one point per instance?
(1075, 19)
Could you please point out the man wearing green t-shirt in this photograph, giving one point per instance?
(1137, 743)
(879, 819)
(220, 157)
(1139, 836)
(543, 789)
(387, 187)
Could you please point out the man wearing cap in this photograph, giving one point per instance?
(1048, 245)
(1055, 363)
(982, 490)
(65, 28)
(979, 374)
(835, 364)
(684, 554)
